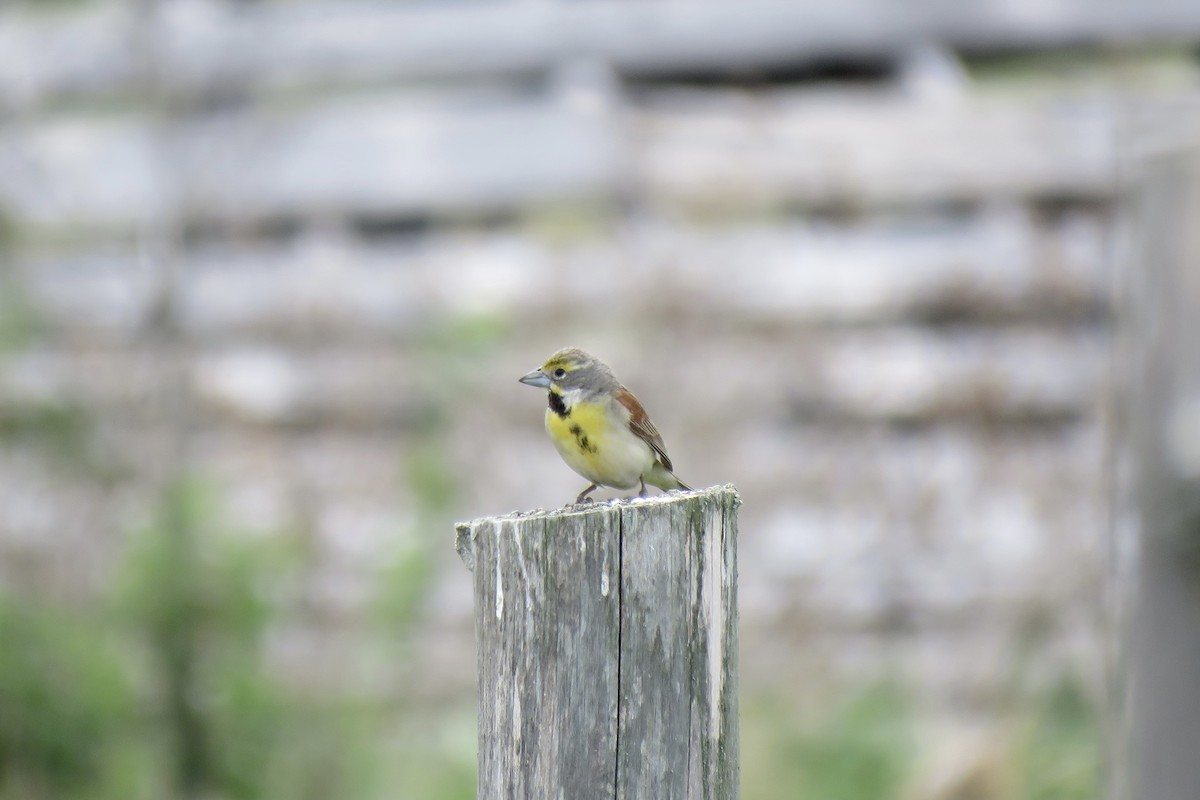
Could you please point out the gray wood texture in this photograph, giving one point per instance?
(290, 45)
(1162, 304)
(607, 649)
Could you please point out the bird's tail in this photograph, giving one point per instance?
(664, 479)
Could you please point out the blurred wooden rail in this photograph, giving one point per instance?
(207, 46)
(1002, 262)
(401, 155)
(607, 649)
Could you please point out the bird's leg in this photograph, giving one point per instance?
(642, 491)
(583, 496)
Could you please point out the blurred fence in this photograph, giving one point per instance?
(204, 44)
(852, 257)
(925, 258)
(242, 158)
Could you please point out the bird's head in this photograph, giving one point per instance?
(572, 369)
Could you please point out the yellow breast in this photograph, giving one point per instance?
(599, 448)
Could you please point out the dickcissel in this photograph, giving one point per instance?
(598, 426)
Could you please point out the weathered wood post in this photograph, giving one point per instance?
(607, 641)
(1161, 344)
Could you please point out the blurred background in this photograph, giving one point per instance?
(269, 271)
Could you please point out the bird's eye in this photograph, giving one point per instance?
(560, 373)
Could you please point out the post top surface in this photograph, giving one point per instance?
(608, 506)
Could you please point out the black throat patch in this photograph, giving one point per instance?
(557, 405)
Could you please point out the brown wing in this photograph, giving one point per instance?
(640, 424)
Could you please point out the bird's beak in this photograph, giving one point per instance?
(537, 378)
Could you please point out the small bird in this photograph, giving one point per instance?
(598, 426)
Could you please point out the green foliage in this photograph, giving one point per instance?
(62, 429)
(205, 596)
(204, 599)
(452, 348)
(860, 749)
(864, 747)
(66, 706)
(1059, 756)
(64, 433)
(451, 354)
(405, 584)
(435, 753)
(184, 573)
(406, 580)
(470, 335)
(431, 478)
(19, 322)
(567, 224)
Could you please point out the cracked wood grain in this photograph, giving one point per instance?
(607, 649)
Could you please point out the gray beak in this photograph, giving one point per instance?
(536, 378)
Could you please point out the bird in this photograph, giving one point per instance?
(599, 427)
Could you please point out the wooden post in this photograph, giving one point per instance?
(607, 642)
(1160, 757)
